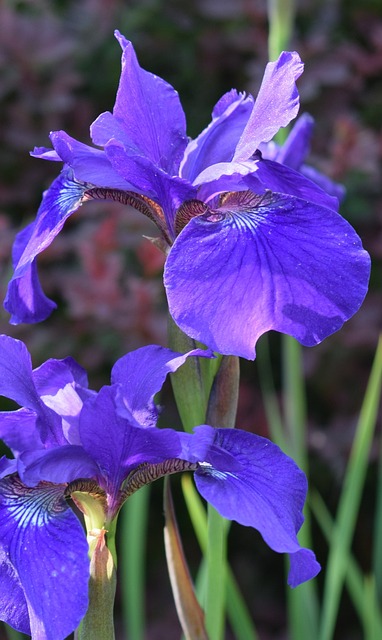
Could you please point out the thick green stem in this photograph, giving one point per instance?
(193, 381)
(207, 391)
(98, 623)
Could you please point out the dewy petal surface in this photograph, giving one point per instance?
(141, 374)
(249, 479)
(44, 543)
(282, 264)
(277, 103)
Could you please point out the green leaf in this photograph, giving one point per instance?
(350, 500)
(133, 535)
(238, 614)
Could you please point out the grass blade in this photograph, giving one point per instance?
(238, 614)
(350, 500)
(133, 530)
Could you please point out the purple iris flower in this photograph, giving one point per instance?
(252, 244)
(67, 438)
(294, 152)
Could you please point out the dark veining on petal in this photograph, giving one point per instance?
(85, 485)
(188, 210)
(32, 505)
(138, 201)
(147, 473)
(244, 201)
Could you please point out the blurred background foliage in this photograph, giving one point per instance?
(59, 68)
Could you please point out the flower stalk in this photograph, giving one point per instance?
(98, 623)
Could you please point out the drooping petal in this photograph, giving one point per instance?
(141, 374)
(119, 444)
(44, 560)
(249, 479)
(217, 142)
(277, 103)
(279, 263)
(303, 567)
(24, 299)
(150, 112)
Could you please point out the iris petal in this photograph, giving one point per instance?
(127, 444)
(249, 479)
(16, 378)
(19, 430)
(61, 464)
(16, 382)
(45, 545)
(25, 300)
(88, 164)
(150, 112)
(217, 142)
(281, 264)
(141, 374)
(277, 103)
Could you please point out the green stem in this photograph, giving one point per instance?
(207, 391)
(294, 400)
(281, 15)
(98, 623)
(216, 574)
(193, 381)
